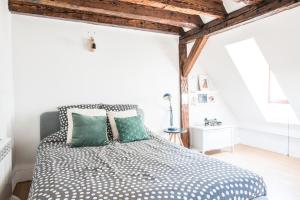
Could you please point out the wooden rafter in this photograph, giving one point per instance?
(248, 2)
(31, 8)
(126, 10)
(212, 7)
(193, 55)
(244, 15)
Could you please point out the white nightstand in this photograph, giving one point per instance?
(206, 138)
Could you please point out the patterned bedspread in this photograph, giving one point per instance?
(149, 169)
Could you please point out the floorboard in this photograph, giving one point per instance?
(281, 173)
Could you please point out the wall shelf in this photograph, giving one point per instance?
(203, 92)
(202, 97)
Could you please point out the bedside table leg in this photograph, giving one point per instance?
(180, 140)
(174, 138)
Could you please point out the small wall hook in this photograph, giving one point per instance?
(93, 46)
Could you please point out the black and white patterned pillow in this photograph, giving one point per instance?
(116, 108)
(57, 137)
(62, 110)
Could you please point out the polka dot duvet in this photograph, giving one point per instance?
(148, 169)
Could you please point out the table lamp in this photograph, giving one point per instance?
(168, 97)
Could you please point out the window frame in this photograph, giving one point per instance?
(274, 101)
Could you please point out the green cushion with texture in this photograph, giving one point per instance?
(131, 129)
(89, 130)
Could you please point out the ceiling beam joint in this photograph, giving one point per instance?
(240, 17)
(193, 55)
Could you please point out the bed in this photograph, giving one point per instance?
(148, 169)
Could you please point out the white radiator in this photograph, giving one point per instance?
(5, 169)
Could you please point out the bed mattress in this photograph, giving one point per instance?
(149, 169)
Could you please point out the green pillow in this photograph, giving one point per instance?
(89, 130)
(131, 129)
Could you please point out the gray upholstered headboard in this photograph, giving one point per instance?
(49, 123)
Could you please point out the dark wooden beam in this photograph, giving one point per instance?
(126, 10)
(24, 7)
(193, 55)
(240, 17)
(212, 7)
(248, 2)
(184, 106)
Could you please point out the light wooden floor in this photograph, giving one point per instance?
(22, 190)
(281, 173)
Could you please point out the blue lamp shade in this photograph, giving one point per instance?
(167, 96)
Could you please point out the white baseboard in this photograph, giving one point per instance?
(271, 142)
(22, 173)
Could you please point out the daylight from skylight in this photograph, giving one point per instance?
(261, 82)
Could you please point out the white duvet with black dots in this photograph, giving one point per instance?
(149, 169)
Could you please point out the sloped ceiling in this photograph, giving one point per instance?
(278, 38)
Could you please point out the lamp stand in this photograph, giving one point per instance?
(171, 128)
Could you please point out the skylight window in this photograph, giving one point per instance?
(276, 94)
(261, 82)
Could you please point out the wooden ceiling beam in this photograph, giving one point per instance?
(193, 55)
(25, 7)
(126, 10)
(249, 2)
(213, 8)
(240, 17)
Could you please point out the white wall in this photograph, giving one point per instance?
(218, 110)
(6, 76)
(270, 141)
(53, 67)
(278, 38)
